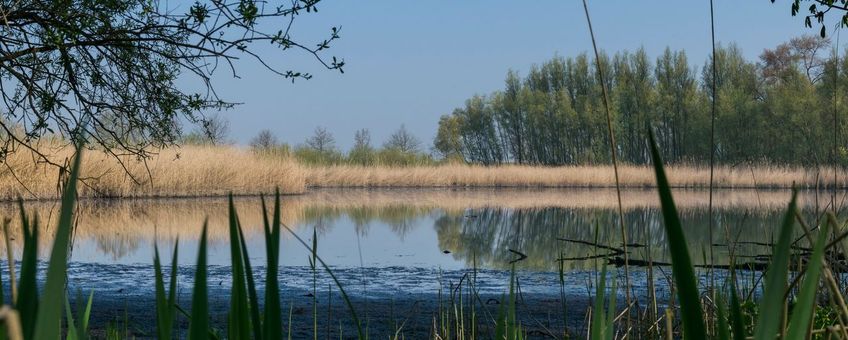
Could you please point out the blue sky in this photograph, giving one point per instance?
(409, 62)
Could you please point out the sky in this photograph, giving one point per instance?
(409, 62)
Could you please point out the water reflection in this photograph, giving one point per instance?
(417, 227)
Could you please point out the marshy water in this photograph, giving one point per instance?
(396, 251)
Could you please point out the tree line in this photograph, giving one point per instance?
(402, 148)
(785, 107)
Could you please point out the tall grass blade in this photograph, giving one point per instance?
(199, 326)
(598, 329)
(723, 331)
(49, 317)
(70, 324)
(251, 289)
(27, 300)
(737, 322)
(771, 306)
(681, 264)
(500, 323)
(172, 289)
(348, 303)
(239, 319)
(273, 313)
(611, 310)
(86, 316)
(164, 317)
(803, 310)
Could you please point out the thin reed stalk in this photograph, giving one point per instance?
(612, 142)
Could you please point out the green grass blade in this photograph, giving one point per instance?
(251, 289)
(86, 316)
(238, 326)
(199, 326)
(273, 313)
(48, 322)
(681, 265)
(597, 331)
(737, 322)
(500, 323)
(771, 306)
(71, 325)
(802, 313)
(344, 295)
(172, 289)
(610, 319)
(163, 312)
(511, 322)
(27, 301)
(723, 331)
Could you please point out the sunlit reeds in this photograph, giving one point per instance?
(192, 171)
(187, 171)
(584, 176)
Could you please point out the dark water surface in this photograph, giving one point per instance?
(396, 250)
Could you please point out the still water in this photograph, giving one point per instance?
(405, 244)
(445, 229)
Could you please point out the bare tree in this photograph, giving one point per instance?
(264, 140)
(362, 140)
(807, 49)
(403, 141)
(216, 129)
(322, 140)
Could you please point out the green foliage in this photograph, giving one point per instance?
(507, 326)
(199, 325)
(310, 156)
(603, 324)
(165, 306)
(681, 264)
(806, 299)
(779, 110)
(771, 304)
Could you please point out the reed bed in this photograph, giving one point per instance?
(584, 176)
(193, 171)
(187, 171)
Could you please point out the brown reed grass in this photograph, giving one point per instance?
(587, 176)
(193, 171)
(187, 171)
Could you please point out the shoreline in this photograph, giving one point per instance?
(312, 190)
(216, 171)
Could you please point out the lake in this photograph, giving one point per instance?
(397, 252)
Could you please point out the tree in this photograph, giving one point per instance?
(448, 141)
(403, 141)
(362, 152)
(321, 140)
(362, 140)
(105, 71)
(265, 140)
(214, 130)
(783, 109)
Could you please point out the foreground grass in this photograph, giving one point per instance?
(196, 170)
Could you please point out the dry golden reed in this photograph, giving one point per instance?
(588, 176)
(175, 172)
(190, 171)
